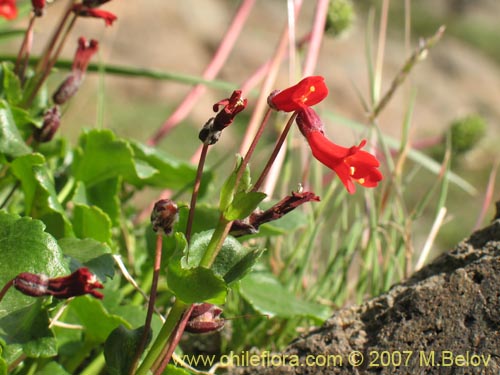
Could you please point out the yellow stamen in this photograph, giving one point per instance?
(312, 88)
(352, 170)
(361, 181)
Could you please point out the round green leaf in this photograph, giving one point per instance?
(11, 142)
(193, 283)
(91, 222)
(233, 260)
(25, 247)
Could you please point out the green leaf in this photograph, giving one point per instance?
(171, 172)
(103, 195)
(41, 200)
(229, 187)
(193, 284)
(243, 205)
(243, 266)
(91, 222)
(174, 370)
(25, 247)
(97, 321)
(11, 142)
(89, 253)
(102, 156)
(52, 368)
(267, 296)
(233, 260)
(3, 366)
(11, 85)
(120, 349)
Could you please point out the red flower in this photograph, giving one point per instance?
(80, 282)
(8, 9)
(84, 11)
(306, 93)
(350, 164)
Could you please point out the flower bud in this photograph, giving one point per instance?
(165, 214)
(205, 318)
(51, 122)
(32, 284)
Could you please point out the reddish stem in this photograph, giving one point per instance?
(151, 303)
(47, 60)
(173, 341)
(196, 189)
(6, 288)
(267, 86)
(24, 51)
(275, 152)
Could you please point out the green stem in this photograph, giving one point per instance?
(173, 318)
(95, 366)
(216, 242)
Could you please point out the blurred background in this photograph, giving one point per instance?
(459, 78)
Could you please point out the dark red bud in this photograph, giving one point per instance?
(165, 214)
(38, 6)
(51, 122)
(205, 318)
(32, 284)
(67, 89)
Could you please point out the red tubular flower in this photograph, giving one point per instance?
(350, 164)
(85, 11)
(8, 9)
(80, 282)
(306, 93)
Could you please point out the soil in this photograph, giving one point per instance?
(434, 322)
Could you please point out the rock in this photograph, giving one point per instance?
(443, 320)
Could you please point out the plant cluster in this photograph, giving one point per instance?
(68, 221)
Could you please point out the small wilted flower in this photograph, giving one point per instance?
(89, 11)
(51, 122)
(205, 318)
(211, 131)
(80, 282)
(38, 6)
(8, 9)
(277, 211)
(306, 93)
(72, 83)
(165, 214)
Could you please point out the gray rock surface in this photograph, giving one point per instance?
(443, 320)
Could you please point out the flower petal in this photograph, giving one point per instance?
(306, 93)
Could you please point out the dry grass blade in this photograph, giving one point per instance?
(419, 54)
